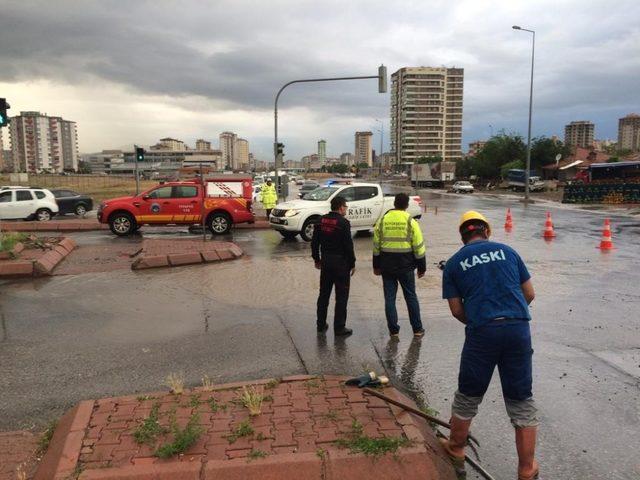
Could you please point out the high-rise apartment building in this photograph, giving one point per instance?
(322, 151)
(579, 134)
(203, 145)
(228, 147)
(242, 154)
(629, 133)
(363, 153)
(172, 144)
(43, 143)
(426, 113)
(347, 159)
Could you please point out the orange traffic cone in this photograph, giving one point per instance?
(606, 243)
(548, 227)
(508, 224)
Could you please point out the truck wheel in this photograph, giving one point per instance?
(307, 228)
(288, 235)
(43, 215)
(122, 224)
(219, 223)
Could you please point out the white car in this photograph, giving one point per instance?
(255, 196)
(366, 203)
(27, 204)
(462, 187)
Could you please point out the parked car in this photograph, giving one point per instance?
(299, 180)
(71, 202)
(308, 186)
(462, 187)
(255, 196)
(27, 204)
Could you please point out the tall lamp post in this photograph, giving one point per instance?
(381, 144)
(278, 148)
(528, 164)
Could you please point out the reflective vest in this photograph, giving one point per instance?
(397, 232)
(268, 196)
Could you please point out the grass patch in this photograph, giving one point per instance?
(182, 438)
(194, 401)
(45, 438)
(254, 454)
(252, 398)
(243, 430)
(371, 447)
(8, 240)
(273, 383)
(143, 398)
(149, 430)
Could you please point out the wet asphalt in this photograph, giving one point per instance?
(67, 338)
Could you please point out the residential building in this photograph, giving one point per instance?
(322, 151)
(203, 145)
(579, 134)
(228, 148)
(171, 144)
(567, 168)
(475, 147)
(242, 154)
(426, 113)
(347, 158)
(363, 153)
(43, 143)
(629, 133)
(387, 160)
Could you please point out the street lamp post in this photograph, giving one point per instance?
(528, 163)
(382, 88)
(381, 144)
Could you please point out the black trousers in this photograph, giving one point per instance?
(334, 271)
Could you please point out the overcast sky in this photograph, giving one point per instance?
(136, 71)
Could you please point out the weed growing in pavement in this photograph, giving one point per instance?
(254, 454)
(149, 430)
(175, 381)
(260, 437)
(252, 398)
(273, 383)
(313, 383)
(373, 447)
(332, 415)
(243, 430)
(182, 438)
(357, 427)
(9, 240)
(142, 398)
(430, 411)
(321, 453)
(207, 384)
(45, 438)
(194, 401)
(215, 406)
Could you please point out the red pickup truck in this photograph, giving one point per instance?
(223, 201)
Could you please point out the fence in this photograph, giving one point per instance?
(604, 193)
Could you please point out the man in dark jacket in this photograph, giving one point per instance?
(398, 250)
(332, 251)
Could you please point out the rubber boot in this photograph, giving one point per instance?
(526, 446)
(457, 440)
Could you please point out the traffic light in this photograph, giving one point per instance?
(382, 79)
(4, 118)
(139, 154)
(279, 149)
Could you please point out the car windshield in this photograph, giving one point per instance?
(320, 194)
(464, 184)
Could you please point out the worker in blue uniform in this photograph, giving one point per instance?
(489, 290)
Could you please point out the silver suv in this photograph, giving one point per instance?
(24, 203)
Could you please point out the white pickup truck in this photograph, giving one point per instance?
(366, 203)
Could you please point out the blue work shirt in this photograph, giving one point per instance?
(487, 277)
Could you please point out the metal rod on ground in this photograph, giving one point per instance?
(435, 420)
(415, 411)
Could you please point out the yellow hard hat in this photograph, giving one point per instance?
(472, 215)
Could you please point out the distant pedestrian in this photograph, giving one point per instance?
(268, 197)
(398, 250)
(489, 290)
(332, 251)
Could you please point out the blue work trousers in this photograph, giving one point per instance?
(407, 281)
(505, 343)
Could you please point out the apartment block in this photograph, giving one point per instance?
(242, 154)
(203, 145)
(322, 151)
(426, 113)
(363, 153)
(228, 147)
(579, 134)
(629, 133)
(43, 143)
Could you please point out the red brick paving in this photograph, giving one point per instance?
(17, 450)
(296, 437)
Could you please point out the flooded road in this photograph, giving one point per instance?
(72, 337)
